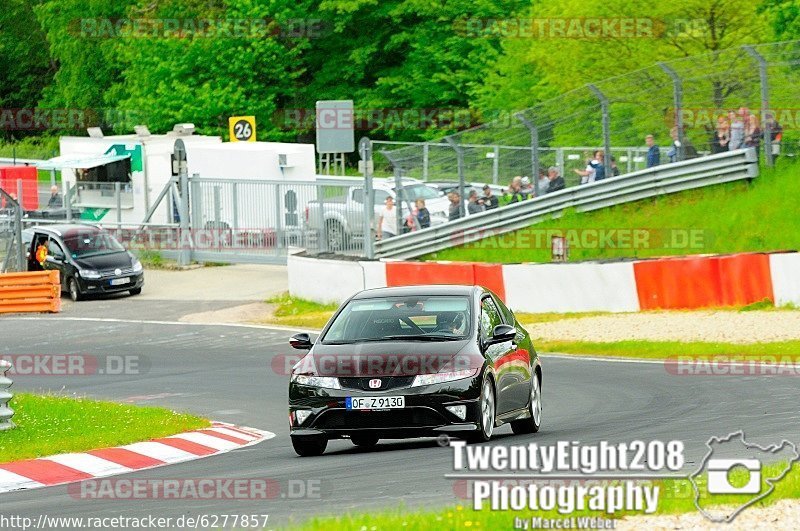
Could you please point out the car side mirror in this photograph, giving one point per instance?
(301, 341)
(501, 333)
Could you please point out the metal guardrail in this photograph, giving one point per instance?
(5, 396)
(660, 180)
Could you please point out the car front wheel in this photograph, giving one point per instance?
(534, 422)
(74, 290)
(486, 412)
(135, 291)
(309, 446)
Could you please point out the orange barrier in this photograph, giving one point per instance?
(703, 282)
(413, 273)
(38, 291)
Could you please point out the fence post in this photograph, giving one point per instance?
(279, 213)
(677, 101)
(425, 158)
(68, 199)
(496, 165)
(235, 204)
(762, 71)
(323, 227)
(534, 131)
(118, 197)
(365, 151)
(398, 201)
(184, 256)
(606, 128)
(461, 177)
(20, 191)
(5, 396)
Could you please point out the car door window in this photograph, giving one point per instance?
(380, 197)
(508, 315)
(55, 250)
(490, 317)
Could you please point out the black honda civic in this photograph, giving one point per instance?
(414, 361)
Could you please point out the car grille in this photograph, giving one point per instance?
(387, 383)
(111, 272)
(333, 419)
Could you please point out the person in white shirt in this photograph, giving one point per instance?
(387, 223)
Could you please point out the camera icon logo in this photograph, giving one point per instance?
(719, 480)
(742, 477)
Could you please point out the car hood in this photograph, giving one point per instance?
(104, 262)
(389, 358)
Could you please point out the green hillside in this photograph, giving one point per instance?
(763, 215)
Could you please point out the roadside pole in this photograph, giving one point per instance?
(365, 151)
(179, 160)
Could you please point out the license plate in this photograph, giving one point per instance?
(375, 402)
(119, 281)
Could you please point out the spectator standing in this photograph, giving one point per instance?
(775, 134)
(387, 223)
(555, 179)
(614, 167)
(455, 206)
(55, 200)
(526, 188)
(720, 138)
(653, 153)
(544, 182)
(736, 129)
(423, 215)
(515, 190)
(489, 201)
(594, 171)
(752, 133)
(473, 206)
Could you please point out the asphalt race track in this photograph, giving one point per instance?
(224, 372)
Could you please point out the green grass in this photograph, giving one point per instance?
(291, 311)
(728, 218)
(676, 497)
(668, 349)
(49, 424)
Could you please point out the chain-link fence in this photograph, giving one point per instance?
(745, 96)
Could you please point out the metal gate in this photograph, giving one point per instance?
(12, 254)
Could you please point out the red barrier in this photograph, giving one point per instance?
(9, 175)
(413, 273)
(745, 279)
(702, 282)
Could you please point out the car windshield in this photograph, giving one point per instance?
(91, 242)
(413, 318)
(417, 191)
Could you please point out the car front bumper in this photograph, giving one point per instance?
(103, 285)
(425, 413)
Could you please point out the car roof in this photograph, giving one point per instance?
(416, 291)
(61, 229)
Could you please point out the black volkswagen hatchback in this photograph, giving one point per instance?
(414, 361)
(89, 259)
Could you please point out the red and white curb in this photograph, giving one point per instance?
(68, 468)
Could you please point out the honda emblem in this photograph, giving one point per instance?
(374, 383)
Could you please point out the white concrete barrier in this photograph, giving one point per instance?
(324, 281)
(785, 272)
(583, 287)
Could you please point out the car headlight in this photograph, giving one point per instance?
(89, 273)
(442, 377)
(137, 266)
(329, 382)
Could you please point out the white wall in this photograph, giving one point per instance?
(582, 287)
(785, 272)
(324, 281)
